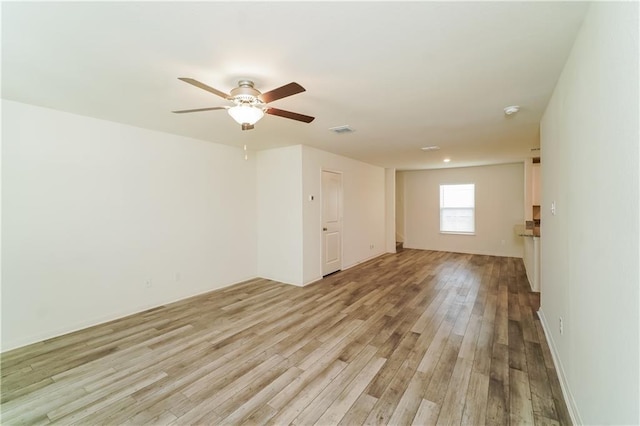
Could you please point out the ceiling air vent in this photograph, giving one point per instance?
(342, 129)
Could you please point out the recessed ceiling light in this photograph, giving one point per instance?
(430, 148)
(446, 160)
(510, 110)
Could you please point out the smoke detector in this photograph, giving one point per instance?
(510, 110)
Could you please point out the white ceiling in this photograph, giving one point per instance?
(403, 75)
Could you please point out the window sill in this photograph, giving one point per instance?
(457, 233)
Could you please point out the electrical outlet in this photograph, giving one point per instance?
(148, 283)
(371, 246)
(561, 326)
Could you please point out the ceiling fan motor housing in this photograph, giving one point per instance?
(245, 93)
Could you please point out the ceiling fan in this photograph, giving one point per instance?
(250, 104)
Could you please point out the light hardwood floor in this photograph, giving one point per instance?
(418, 337)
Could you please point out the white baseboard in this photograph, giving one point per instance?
(311, 281)
(408, 245)
(564, 385)
(344, 268)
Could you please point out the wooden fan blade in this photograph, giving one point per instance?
(289, 114)
(204, 87)
(198, 110)
(281, 92)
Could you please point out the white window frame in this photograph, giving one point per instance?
(456, 205)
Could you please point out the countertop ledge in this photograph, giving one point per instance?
(529, 234)
(522, 231)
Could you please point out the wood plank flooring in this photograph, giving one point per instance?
(417, 337)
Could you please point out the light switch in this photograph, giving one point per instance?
(553, 208)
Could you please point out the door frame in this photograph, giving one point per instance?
(339, 172)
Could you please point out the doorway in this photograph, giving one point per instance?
(331, 222)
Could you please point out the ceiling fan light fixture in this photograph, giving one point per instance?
(250, 105)
(246, 114)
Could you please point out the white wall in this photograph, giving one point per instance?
(279, 182)
(290, 225)
(528, 189)
(499, 207)
(590, 248)
(390, 209)
(400, 207)
(363, 208)
(92, 210)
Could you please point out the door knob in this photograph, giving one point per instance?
(324, 229)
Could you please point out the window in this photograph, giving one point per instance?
(457, 208)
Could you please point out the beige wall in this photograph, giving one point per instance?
(289, 222)
(363, 210)
(102, 219)
(390, 209)
(399, 206)
(499, 207)
(279, 214)
(590, 247)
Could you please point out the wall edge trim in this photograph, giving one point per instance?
(564, 385)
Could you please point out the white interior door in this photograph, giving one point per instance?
(331, 222)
